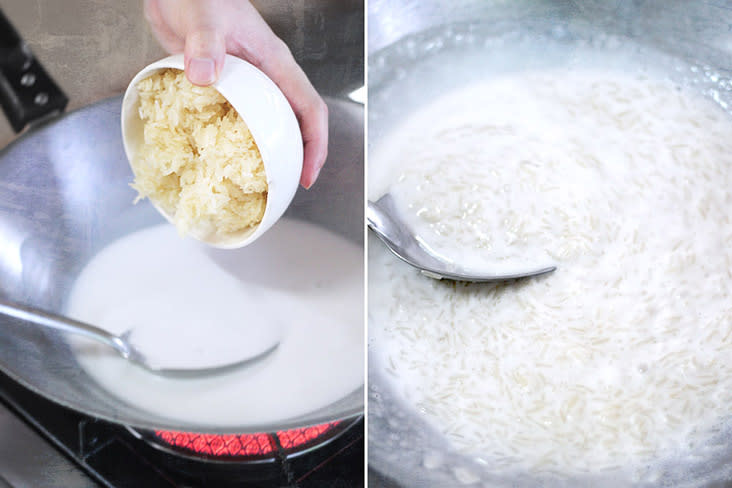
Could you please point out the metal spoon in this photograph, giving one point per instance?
(120, 343)
(384, 221)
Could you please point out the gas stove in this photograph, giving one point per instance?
(44, 444)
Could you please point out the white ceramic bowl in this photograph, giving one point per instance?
(271, 121)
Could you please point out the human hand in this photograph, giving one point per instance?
(205, 30)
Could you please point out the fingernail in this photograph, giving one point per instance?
(314, 179)
(201, 71)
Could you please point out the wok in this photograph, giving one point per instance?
(403, 449)
(64, 195)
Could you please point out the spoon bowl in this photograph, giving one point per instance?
(122, 344)
(383, 219)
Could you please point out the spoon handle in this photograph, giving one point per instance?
(65, 324)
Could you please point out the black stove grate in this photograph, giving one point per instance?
(115, 458)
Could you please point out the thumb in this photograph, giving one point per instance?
(204, 54)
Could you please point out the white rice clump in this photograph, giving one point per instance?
(199, 161)
(623, 354)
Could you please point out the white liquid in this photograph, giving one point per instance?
(621, 356)
(190, 305)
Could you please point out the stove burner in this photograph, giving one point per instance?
(296, 439)
(247, 447)
(115, 456)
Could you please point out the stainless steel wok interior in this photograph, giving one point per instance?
(64, 194)
(402, 447)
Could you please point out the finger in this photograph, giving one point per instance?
(170, 41)
(204, 54)
(314, 126)
(309, 108)
(205, 47)
(260, 46)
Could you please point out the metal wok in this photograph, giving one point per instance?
(403, 449)
(64, 194)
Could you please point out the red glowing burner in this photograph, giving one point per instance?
(251, 446)
(219, 445)
(295, 438)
